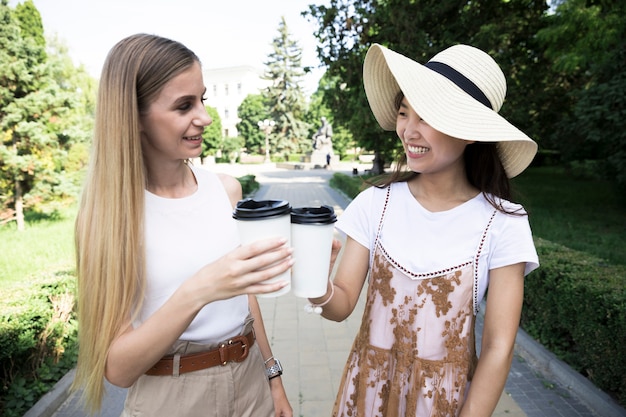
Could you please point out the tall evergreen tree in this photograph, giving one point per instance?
(43, 119)
(285, 95)
(31, 26)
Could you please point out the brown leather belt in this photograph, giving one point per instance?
(234, 350)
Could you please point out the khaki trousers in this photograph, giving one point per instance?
(238, 389)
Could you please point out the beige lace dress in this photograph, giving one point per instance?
(415, 352)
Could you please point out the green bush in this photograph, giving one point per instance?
(38, 340)
(296, 157)
(350, 186)
(249, 184)
(575, 305)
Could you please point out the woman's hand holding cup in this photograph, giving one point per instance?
(244, 270)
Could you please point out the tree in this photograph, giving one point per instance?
(584, 41)
(212, 135)
(417, 29)
(40, 100)
(231, 147)
(251, 110)
(31, 26)
(285, 96)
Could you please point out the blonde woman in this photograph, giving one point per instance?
(166, 304)
(431, 240)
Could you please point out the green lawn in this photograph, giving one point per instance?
(45, 246)
(584, 215)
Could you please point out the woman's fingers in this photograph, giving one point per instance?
(245, 269)
(334, 252)
(260, 246)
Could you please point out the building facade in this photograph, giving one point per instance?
(226, 90)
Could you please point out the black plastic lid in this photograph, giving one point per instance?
(313, 215)
(249, 209)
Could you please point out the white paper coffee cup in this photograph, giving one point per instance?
(264, 219)
(311, 239)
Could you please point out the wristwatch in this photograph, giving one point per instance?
(274, 370)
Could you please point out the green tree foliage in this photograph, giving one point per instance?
(43, 117)
(418, 29)
(285, 96)
(31, 26)
(585, 42)
(212, 135)
(231, 147)
(252, 110)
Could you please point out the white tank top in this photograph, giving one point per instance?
(182, 235)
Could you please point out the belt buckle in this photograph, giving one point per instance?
(245, 349)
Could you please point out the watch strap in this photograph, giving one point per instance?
(274, 370)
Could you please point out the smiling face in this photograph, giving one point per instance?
(172, 126)
(428, 151)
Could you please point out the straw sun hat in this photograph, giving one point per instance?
(458, 92)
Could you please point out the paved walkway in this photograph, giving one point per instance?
(314, 350)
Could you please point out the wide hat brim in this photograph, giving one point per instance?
(442, 104)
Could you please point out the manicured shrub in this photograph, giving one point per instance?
(350, 186)
(248, 184)
(38, 345)
(575, 305)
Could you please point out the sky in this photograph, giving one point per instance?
(222, 33)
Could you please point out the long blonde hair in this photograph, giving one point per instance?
(109, 231)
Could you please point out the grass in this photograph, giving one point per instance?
(45, 246)
(585, 215)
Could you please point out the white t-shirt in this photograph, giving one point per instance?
(424, 241)
(182, 236)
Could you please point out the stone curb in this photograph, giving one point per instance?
(53, 399)
(549, 366)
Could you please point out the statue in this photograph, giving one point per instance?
(323, 144)
(324, 135)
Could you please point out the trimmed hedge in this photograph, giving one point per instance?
(350, 186)
(249, 184)
(575, 306)
(38, 340)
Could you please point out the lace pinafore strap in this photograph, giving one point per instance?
(474, 262)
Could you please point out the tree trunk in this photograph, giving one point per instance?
(19, 206)
(378, 164)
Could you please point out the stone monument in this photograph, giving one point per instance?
(322, 153)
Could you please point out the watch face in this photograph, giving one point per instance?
(274, 370)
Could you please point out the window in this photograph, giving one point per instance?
(226, 89)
